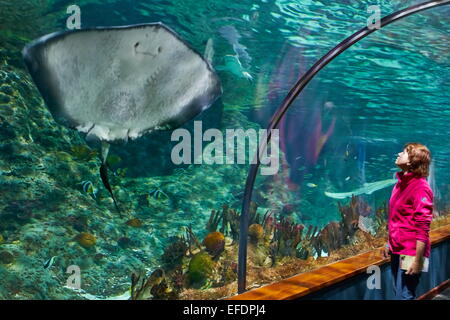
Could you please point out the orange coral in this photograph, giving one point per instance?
(214, 242)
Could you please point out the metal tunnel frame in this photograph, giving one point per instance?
(293, 93)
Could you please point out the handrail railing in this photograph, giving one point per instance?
(293, 93)
(327, 276)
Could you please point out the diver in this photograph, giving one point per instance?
(410, 215)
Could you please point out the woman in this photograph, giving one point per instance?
(410, 214)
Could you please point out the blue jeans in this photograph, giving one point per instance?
(404, 284)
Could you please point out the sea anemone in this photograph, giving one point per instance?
(214, 243)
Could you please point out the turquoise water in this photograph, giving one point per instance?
(342, 134)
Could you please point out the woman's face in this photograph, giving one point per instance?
(402, 160)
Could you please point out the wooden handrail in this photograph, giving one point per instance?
(309, 282)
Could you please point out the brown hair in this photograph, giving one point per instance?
(419, 158)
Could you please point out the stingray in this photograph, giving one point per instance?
(119, 83)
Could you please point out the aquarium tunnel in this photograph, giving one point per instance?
(190, 150)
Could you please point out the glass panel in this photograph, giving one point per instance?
(177, 233)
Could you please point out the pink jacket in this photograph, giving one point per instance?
(410, 214)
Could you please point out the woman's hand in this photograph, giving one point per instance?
(385, 252)
(415, 268)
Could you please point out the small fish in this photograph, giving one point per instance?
(88, 187)
(104, 176)
(49, 263)
(311, 185)
(135, 222)
(348, 178)
(113, 160)
(157, 193)
(347, 151)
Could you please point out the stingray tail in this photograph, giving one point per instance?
(105, 180)
(104, 174)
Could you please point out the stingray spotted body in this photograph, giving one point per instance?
(119, 83)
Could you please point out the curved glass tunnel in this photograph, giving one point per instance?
(340, 137)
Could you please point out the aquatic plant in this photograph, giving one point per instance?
(86, 240)
(230, 220)
(175, 252)
(337, 234)
(256, 232)
(287, 235)
(331, 237)
(201, 267)
(214, 243)
(214, 220)
(1, 239)
(178, 279)
(228, 272)
(381, 217)
(191, 239)
(350, 215)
